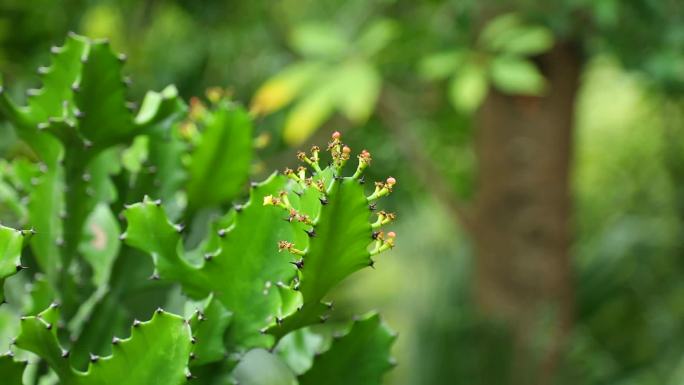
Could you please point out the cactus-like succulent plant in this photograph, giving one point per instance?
(255, 273)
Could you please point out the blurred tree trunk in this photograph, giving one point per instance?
(521, 216)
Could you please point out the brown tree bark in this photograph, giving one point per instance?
(522, 215)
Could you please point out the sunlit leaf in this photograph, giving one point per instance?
(318, 40)
(529, 41)
(498, 27)
(281, 89)
(516, 76)
(508, 33)
(358, 89)
(377, 36)
(308, 114)
(468, 88)
(440, 65)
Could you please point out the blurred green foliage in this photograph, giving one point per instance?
(306, 64)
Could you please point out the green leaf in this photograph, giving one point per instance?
(361, 356)
(41, 295)
(509, 34)
(339, 236)
(498, 27)
(468, 87)
(209, 328)
(155, 166)
(440, 65)
(259, 367)
(359, 87)
(318, 40)
(11, 242)
(240, 277)
(150, 230)
(377, 36)
(528, 41)
(339, 248)
(48, 101)
(156, 353)
(44, 207)
(516, 76)
(101, 97)
(160, 109)
(12, 371)
(220, 163)
(102, 244)
(298, 348)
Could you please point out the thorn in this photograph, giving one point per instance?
(159, 310)
(208, 257)
(55, 50)
(158, 203)
(371, 264)
(311, 233)
(329, 305)
(78, 113)
(238, 208)
(94, 358)
(179, 228)
(122, 57)
(192, 356)
(115, 341)
(75, 87)
(48, 326)
(54, 305)
(65, 354)
(131, 106)
(375, 234)
(43, 70)
(372, 206)
(136, 323)
(189, 376)
(222, 233)
(193, 340)
(122, 237)
(362, 180)
(324, 200)
(323, 318)
(20, 267)
(253, 184)
(154, 277)
(299, 263)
